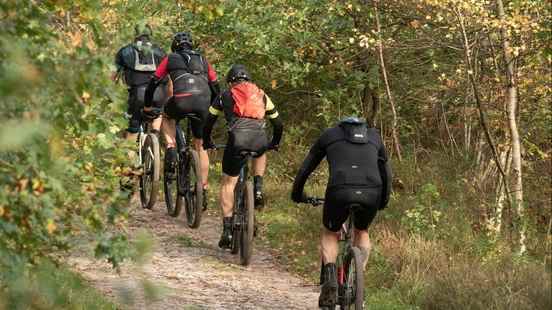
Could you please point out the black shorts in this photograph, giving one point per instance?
(135, 103)
(232, 161)
(336, 209)
(177, 108)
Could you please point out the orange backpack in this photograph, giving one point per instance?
(248, 100)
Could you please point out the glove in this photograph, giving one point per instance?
(149, 114)
(273, 146)
(302, 198)
(208, 144)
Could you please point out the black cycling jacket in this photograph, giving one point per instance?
(356, 156)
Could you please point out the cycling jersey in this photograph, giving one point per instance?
(356, 156)
(224, 104)
(184, 68)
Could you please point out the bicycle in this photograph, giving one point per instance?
(150, 163)
(350, 273)
(185, 186)
(243, 217)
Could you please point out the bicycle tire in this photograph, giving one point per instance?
(194, 195)
(151, 166)
(248, 227)
(355, 273)
(173, 199)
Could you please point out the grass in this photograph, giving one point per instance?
(454, 265)
(51, 287)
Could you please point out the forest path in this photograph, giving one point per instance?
(194, 273)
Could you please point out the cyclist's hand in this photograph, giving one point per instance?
(208, 144)
(314, 201)
(272, 146)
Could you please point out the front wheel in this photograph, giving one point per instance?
(151, 166)
(353, 288)
(248, 228)
(194, 192)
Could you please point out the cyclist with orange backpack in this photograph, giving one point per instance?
(245, 106)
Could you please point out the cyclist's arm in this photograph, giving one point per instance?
(214, 111)
(315, 156)
(155, 80)
(385, 173)
(277, 125)
(119, 65)
(212, 81)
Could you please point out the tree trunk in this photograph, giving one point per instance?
(512, 102)
(396, 143)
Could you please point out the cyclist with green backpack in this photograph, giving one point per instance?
(136, 62)
(245, 106)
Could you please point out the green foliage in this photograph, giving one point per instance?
(47, 286)
(424, 218)
(59, 156)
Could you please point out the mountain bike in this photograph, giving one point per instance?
(243, 217)
(350, 273)
(185, 187)
(150, 164)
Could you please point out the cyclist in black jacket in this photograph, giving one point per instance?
(359, 174)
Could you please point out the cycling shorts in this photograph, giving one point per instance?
(135, 106)
(178, 107)
(232, 161)
(338, 200)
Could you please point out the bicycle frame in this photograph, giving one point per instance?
(345, 244)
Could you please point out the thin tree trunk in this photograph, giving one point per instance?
(396, 143)
(482, 116)
(512, 102)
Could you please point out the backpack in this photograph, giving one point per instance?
(194, 64)
(248, 101)
(144, 58)
(248, 134)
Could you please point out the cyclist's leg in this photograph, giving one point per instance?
(134, 115)
(334, 215)
(231, 166)
(201, 109)
(168, 127)
(228, 184)
(368, 198)
(259, 167)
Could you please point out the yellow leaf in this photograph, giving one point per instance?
(274, 83)
(51, 226)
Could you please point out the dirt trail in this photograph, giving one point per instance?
(195, 274)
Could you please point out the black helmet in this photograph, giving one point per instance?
(181, 40)
(353, 120)
(237, 73)
(142, 29)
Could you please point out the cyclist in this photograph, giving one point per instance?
(194, 84)
(244, 106)
(136, 62)
(359, 174)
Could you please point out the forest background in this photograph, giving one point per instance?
(460, 90)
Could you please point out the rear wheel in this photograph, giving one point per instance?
(248, 227)
(353, 288)
(151, 167)
(194, 194)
